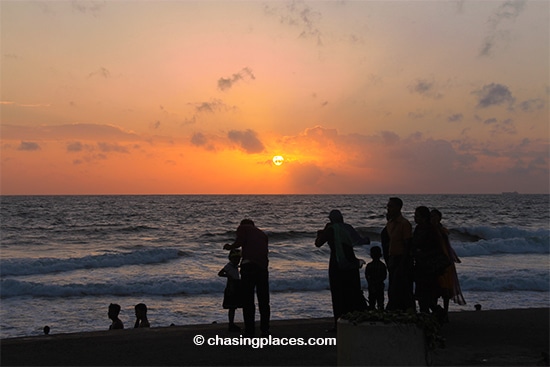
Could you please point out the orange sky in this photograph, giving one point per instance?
(183, 97)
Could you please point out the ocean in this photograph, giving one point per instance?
(64, 259)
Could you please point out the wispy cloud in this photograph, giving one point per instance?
(505, 13)
(426, 88)
(227, 83)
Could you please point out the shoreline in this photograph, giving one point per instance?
(489, 337)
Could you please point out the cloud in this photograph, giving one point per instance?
(101, 72)
(299, 15)
(88, 7)
(506, 12)
(110, 147)
(75, 147)
(227, 83)
(247, 140)
(87, 132)
(509, 10)
(505, 127)
(425, 88)
(198, 139)
(494, 95)
(214, 105)
(389, 137)
(532, 105)
(456, 117)
(28, 146)
(319, 132)
(305, 176)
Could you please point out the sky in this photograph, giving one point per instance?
(197, 97)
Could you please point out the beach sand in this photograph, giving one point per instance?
(487, 338)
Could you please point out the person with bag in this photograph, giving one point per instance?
(343, 271)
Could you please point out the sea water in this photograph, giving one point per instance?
(64, 259)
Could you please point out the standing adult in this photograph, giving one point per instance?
(448, 281)
(400, 266)
(343, 270)
(427, 248)
(254, 275)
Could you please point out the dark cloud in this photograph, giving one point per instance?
(494, 95)
(319, 131)
(456, 117)
(532, 105)
(505, 127)
(425, 88)
(108, 147)
(389, 137)
(215, 105)
(28, 146)
(490, 121)
(226, 83)
(75, 147)
(247, 140)
(198, 139)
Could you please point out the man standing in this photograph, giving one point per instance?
(254, 274)
(400, 289)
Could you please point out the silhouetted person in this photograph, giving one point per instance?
(232, 297)
(400, 266)
(376, 273)
(114, 310)
(141, 316)
(343, 269)
(385, 242)
(427, 246)
(254, 274)
(449, 286)
(46, 330)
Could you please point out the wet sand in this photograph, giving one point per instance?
(485, 338)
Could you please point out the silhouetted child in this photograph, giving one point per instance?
(141, 316)
(376, 273)
(232, 298)
(114, 310)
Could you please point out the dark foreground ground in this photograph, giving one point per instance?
(484, 338)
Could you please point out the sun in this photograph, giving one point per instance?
(278, 160)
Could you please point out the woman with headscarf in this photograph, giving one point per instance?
(343, 270)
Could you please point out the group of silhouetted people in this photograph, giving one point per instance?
(419, 266)
(141, 316)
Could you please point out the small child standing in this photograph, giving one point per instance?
(114, 310)
(141, 316)
(232, 294)
(376, 273)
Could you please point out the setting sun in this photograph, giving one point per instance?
(278, 160)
